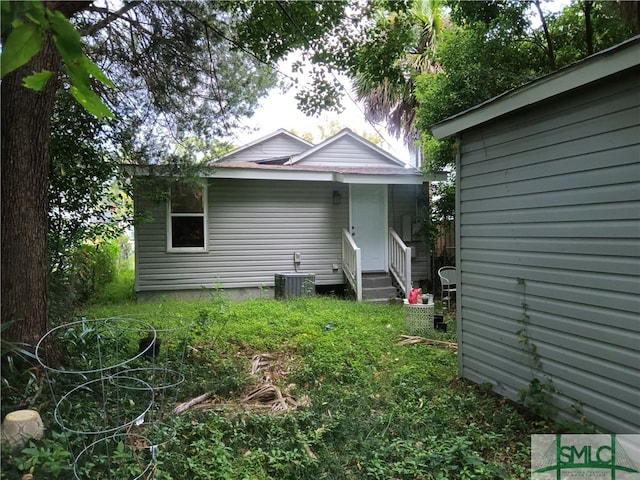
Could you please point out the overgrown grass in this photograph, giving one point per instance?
(121, 290)
(376, 410)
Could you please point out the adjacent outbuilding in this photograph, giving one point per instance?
(548, 239)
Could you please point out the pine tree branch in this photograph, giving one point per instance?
(110, 17)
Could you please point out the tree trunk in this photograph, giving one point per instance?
(24, 181)
(547, 36)
(587, 7)
(631, 13)
(25, 118)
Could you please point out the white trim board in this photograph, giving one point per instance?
(596, 67)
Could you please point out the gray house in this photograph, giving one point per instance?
(344, 210)
(548, 239)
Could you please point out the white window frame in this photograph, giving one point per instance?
(205, 220)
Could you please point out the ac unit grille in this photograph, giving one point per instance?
(292, 285)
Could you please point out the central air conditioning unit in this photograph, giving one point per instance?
(294, 284)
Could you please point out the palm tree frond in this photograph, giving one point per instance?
(393, 102)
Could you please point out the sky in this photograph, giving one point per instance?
(279, 110)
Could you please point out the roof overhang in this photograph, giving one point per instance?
(253, 171)
(596, 67)
(272, 172)
(379, 179)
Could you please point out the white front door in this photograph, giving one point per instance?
(368, 215)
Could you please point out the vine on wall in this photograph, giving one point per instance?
(537, 396)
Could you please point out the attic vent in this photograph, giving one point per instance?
(274, 161)
(292, 285)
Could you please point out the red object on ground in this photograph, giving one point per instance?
(414, 294)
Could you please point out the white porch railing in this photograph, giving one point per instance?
(352, 263)
(400, 261)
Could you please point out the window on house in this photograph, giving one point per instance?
(187, 218)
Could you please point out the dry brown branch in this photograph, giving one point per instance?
(260, 362)
(261, 393)
(310, 453)
(413, 339)
(194, 401)
(270, 396)
(281, 404)
(265, 395)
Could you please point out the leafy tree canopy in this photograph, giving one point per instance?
(495, 16)
(492, 47)
(182, 69)
(82, 201)
(194, 69)
(169, 71)
(608, 27)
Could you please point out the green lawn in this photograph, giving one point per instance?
(359, 406)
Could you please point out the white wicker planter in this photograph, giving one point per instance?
(418, 317)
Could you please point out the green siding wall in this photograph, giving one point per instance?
(549, 216)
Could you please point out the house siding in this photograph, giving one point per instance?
(345, 152)
(254, 228)
(549, 240)
(278, 146)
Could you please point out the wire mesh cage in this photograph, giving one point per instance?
(127, 455)
(114, 396)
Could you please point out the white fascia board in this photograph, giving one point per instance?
(266, 174)
(592, 69)
(379, 179)
(303, 175)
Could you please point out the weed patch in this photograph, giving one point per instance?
(366, 406)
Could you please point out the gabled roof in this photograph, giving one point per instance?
(304, 145)
(345, 134)
(345, 157)
(596, 67)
